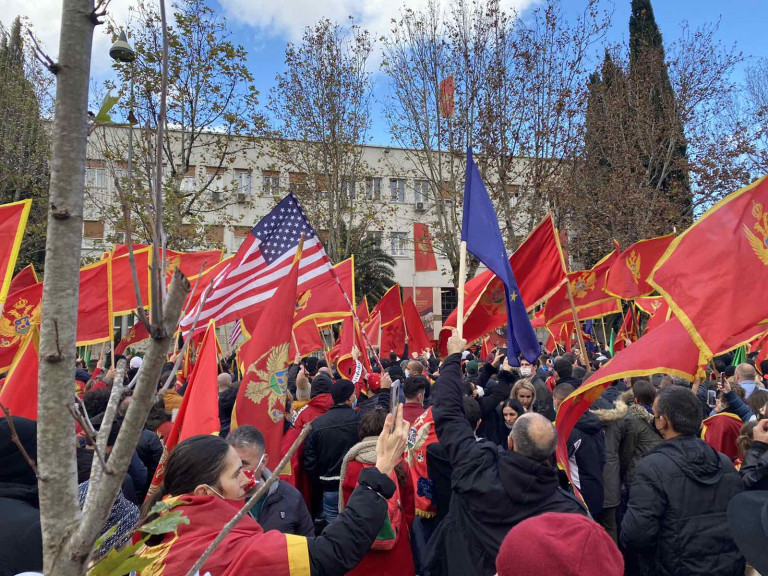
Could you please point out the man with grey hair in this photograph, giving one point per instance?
(282, 508)
(746, 375)
(493, 490)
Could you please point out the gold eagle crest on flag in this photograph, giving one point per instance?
(633, 263)
(303, 300)
(270, 383)
(13, 329)
(759, 243)
(583, 284)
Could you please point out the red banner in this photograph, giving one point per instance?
(95, 320)
(19, 392)
(123, 291)
(627, 277)
(13, 221)
(423, 254)
(20, 312)
(447, 105)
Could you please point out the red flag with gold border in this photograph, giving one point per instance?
(25, 278)
(307, 337)
(709, 273)
(392, 322)
(191, 263)
(322, 300)
(122, 249)
(21, 311)
(13, 221)
(627, 277)
(123, 291)
(363, 314)
(136, 333)
(423, 254)
(19, 392)
(264, 361)
(95, 320)
(658, 310)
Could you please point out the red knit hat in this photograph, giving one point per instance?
(374, 382)
(563, 544)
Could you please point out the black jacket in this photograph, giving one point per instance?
(150, 450)
(586, 455)
(346, 540)
(284, 510)
(640, 438)
(333, 434)
(21, 540)
(754, 469)
(492, 490)
(677, 511)
(614, 428)
(492, 427)
(544, 404)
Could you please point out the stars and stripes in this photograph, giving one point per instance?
(263, 259)
(236, 332)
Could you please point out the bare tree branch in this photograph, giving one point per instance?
(15, 439)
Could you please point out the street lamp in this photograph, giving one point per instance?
(124, 53)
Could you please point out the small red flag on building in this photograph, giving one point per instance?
(13, 221)
(19, 313)
(447, 102)
(95, 320)
(19, 393)
(423, 254)
(25, 278)
(709, 273)
(263, 361)
(627, 276)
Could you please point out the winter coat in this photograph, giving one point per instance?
(640, 438)
(754, 469)
(586, 456)
(333, 434)
(21, 540)
(492, 490)
(492, 427)
(614, 428)
(677, 512)
(284, 510)
(411, 411)
(149, 450)
(399, 560)
(544, 405)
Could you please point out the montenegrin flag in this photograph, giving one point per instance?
(19, 392)
(20, 312)
(123, 290)
(95, 320)
(13, 220)
(627, 277)
(713, 275)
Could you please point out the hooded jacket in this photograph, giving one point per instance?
(492, 490)
(284, 510)
(614, 428)
(586, 455)
(640, 438)
(677, 512)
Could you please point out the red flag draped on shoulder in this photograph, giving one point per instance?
(587, 290)
(709, 273)
(25, 278)
(263, 361)
(20, 312)
(538, 268)
(392, 322)
(199, 411)
(19, 393)
(321, 299)
(627, 277)
(13, 220)
(95, 321)
(123, 291)
(418, 341)
(423, 253)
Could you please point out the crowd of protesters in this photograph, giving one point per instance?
(665, 476)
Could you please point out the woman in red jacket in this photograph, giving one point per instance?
(390, 554)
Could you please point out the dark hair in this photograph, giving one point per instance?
(757, 400)
(515, 405)
(246, 435)
(372, 424)
(746, 437)
(95, 401)
(414, 385)
(644, 392)
(472, 411)
(562, 391)
(157, 415)
(570, 357)
(392, 356)
(564, 368)
(198, 460)
(681, 408)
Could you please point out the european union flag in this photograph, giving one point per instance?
(480, 230)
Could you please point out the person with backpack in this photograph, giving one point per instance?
(390, 554)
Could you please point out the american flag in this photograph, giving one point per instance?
(263, 259)
(236, 331)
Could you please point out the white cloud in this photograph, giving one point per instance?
(289, 17)
(45, 18)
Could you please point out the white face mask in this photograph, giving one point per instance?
(525, 370)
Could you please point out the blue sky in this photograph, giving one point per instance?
(264, 26)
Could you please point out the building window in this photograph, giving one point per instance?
(513, 191)
(271, 182)
(214, 174)
(348, 188)
(297, 182)
(449, 300)
(214, 234)
(399, 244)
(240, 233)
(93, 229)
(189, 182)
(421, 191)
(378, 236)
(373, 188)
(243, 181)
(96, 178)
(397, 190)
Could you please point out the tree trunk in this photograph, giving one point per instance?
(59, 510)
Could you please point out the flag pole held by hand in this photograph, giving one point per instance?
(462, 280)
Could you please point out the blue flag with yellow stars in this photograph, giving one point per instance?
(480, 230)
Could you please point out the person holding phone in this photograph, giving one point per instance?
(733, 403)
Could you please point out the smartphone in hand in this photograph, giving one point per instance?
(711, 398)
(394, 400)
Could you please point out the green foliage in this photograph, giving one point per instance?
(374, 267)
(109, 101)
